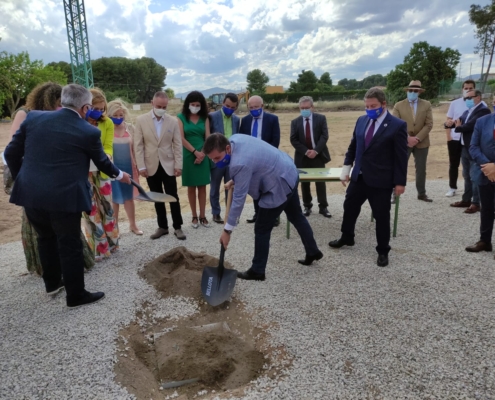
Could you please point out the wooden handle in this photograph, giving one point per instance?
(229, 203)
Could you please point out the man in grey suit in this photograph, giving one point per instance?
(269, 176)
(309, 136)
(223, 121)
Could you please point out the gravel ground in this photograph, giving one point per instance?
(422, 328)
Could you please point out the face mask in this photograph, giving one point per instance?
(306, 113)
(469, 103)
(374, 114)
(194, 110)
(227, 111)
(159, 112)
(224, 162)
(117, 121)
(411, 96)
(94, 114)
(256, 113)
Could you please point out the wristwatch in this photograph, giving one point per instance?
(227, 231)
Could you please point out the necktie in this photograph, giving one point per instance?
(369, 134)
(309, 144)
(412, 110)
(255, 128)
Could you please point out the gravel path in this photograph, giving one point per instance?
(422, 328)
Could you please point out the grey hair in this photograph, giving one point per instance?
(256, 96)
(161, 94)
(477, 93)
(304, 99)
(375, 93)
(75, 96)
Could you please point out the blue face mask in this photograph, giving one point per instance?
(411, 96)
(306, 113)
(227, 111)
(94, 114)
(256, 113)
(117, 121)
(469, 103)
(224, 162)
(374, 114)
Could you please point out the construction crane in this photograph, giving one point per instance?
(77, 34)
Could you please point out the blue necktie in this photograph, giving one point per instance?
(255, 128)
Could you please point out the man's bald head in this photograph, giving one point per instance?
(255, 103)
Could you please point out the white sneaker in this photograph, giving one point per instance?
(450, 193)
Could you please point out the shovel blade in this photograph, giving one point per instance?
(217, 289)
(156, 197)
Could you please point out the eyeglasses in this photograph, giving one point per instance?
(469, 97)
(413, 90)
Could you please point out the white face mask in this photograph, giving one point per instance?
(159, 112)
(194, 110)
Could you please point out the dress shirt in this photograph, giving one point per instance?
(158, 124)
(415, 105)
(378, 122)
(227, 125)
(260, 123)
(310, 129)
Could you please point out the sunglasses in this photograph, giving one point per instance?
(413, 91)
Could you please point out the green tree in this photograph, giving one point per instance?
(63, 66)
(256, 81)
(306, 82)
(170, 93)
(324, 83)
(484, 20)
(429, 64)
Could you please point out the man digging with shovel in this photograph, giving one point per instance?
(269, 176)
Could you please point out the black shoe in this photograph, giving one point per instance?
(325, 213)
(307, 211)
(55, 290)
(277, 222)
(217, 218)
(252, 220)
(249, 275)
(382, 260)
(337, 244)
(309, 259)
(87, 298)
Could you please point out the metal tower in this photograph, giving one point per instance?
(75, 20)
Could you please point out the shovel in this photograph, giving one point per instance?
(217, 283)
(152, 196)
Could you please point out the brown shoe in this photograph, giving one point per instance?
(461, 204)
(473, 209)
(159, 233)
(479, 246)
(424, 197)
(179, 234)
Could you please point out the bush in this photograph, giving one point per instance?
(293, 97)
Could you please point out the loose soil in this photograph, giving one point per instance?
(217, 345)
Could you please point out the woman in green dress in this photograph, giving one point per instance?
(196, 167)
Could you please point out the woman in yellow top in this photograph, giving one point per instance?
(100, 225)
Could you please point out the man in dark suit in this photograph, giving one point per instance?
(309, 136)
(470, 169)
(261, 125)
(378, 151)
(49, 158)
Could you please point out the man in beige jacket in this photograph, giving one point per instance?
(417, 114)
(158, 150)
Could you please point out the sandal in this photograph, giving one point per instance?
(204, 222)
(195, 222)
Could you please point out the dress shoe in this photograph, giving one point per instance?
(252, 220)
(87, 298)
(472, 209)
(309, 259)
(52, 291)
(337, 244)
(382, 260)
(307, 211)
(424, 197)
(179, 234)
(479, 246)
(325, 213)
(277, 222)
(217, 218)
(249, 275)
(461, 204)
(159, 233)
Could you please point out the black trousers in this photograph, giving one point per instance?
(157, 183)
(379, 199)
(455, 151)
(321, 189)
(487, 198)
(60, 249)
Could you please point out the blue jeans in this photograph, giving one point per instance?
(216, 176)
(264, 225)
(471, 173)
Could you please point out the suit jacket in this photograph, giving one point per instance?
(320, 137)
(260, 170)
(270, 128)
(419, 127)
(482, 148)
(49, 159)
(467, 128)
(384, 162)
(216, 122)
(151, 150)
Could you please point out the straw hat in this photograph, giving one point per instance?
(415, 85)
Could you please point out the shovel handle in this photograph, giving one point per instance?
(229, 203)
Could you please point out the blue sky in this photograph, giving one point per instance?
(207, 43)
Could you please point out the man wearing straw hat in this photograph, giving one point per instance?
(417, 114)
